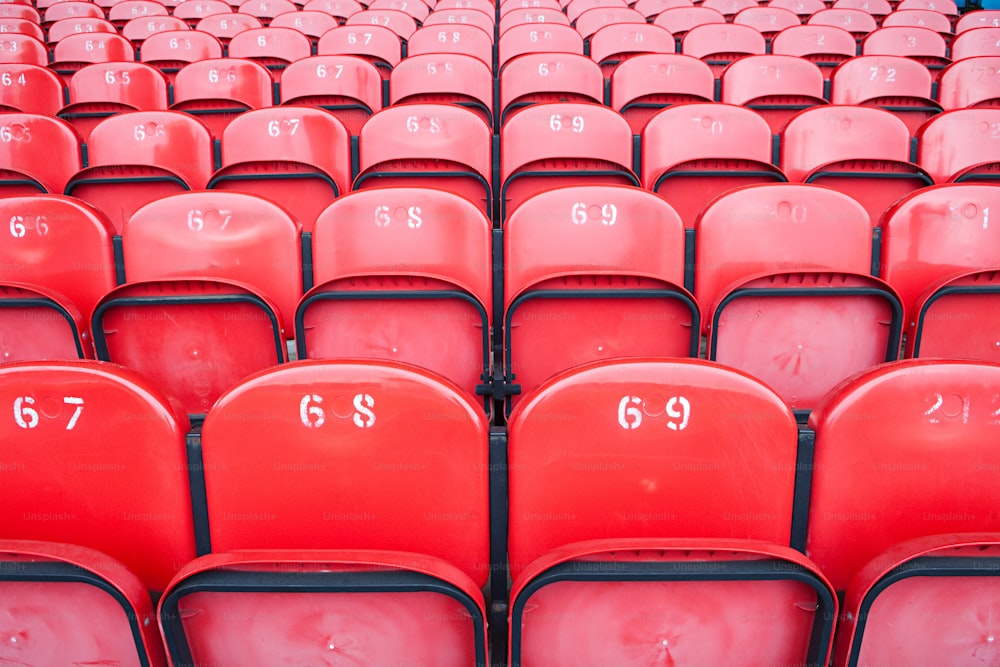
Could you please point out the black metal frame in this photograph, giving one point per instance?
(315, 174)
(943, 292)
(232, 581)
(475, 176)
(586, 174)
(756, 570)
(773, 173)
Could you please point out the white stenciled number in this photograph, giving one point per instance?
(17, 228)
(78, 402)
(363, 415)
(678, 410)
(579, 213)
(414, 124)
(414, 217)
(310, 411)
(629, 412)
(196, 219)
(382, 218)
(289, 125)
(323, 71)
(24, 415)
(557, 123)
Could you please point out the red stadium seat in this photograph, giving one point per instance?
(893, 601)
(82, 426)
(877, 8)
(584, 266)
(265, 10)
(104, 89)
(485, 6)
(861, 151)
(19, 11)
(941, 254)
(38, 154)
(141, 156)
(801, 8)
(575, 8)
(897, 84)
(971, 82)
(427, 145)
(55, 267)
(978, 42)
(380, 288)
(226, 26)
(652, 8)
(71, 9)
(531, 16)
(347, 86)
(783, 274)
(171, 50)
(899, 455)
(444, 78)
(920, 18)
(921, 44)
(218, 90)
(21, 26)
(563, 143)
(76, 51)
(77, 25)
(192, 11)
(679, 20)
(127, 10)
(729, 8)
(297, 157)
(601, 497)
(415, 8)
(30, 89)
(69, 604)
(338, 9)
(692, 153)
(461, 39)
(592, 20)
(768, 20)
(274, 48)
(400, 23)
(376, 44)
(945, 7)
(537, 38)
(977, 19)
(776, 87)
(643, 85)
(536, 78)
(508, 6)
(617, 42)
(719, 45)
(855, 21)
(823, 45)
(312, 23)
(137, 30)
(461, 17)
(960, 146)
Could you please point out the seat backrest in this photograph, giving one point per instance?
(452, 78)
(876, 8)
(373, 41)
(767, 20)
(618, 41)
(868, 78)
(956, 141)
(347, 86)
(265, 10)
(815, 42)
(970, 82)
(268, 44)
(30, 89)
(458, 38)
(652, 8)
(679, 20)
(978, 42)
(977, 19)
(544, 77)
(400, 23)
(138, 29)
(470, 16)
(92, 48)
(134, 85)
(339, 9)
(226, 26)
(21, 25)
(185, 46)
(46, 150)
(802, 8)
(661, 450)
(855, 21)
(534, 15)
(311, 23)
(904, 41)
(24, 49)
(765, 76)
(194, 10)
(126, 10)
(77, 25)
(76, 427)
(424, 442)
(937, 233)
(899, 455)
(919, 18)
(704, 41)
(217, 235)
(415, 8)
(229, 79)
(537, 38)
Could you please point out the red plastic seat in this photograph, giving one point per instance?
(641, 523)
(768, 20)
(69, 604)
(776, 87)
(728, 8)
(679, 20)
(650, 9)
(643, 85)
(338, 9)
(921, 18)
(508, 6)
(104, 89)
(563, 143)
(400, 23)
(782, 272)
(877, 8)
(462, 17)
(921, 44)
(692, 153)
(801, 8)
(137, 157)
(908, 604)
(855, 21)
(971, 82)
(593, 272)
(266, 10)
(485, 6)
(38, 154)
(76, 427)
(192, 11)
(71, 9)
(312, 23)
(415, 8)
(217, 90)
(575, 8)
(536, 78)
(460, 39)
(347, 86)
(226, 26)
(536, 16)
(978, 42)
(412, 540)
(76, 51)
(946, 7)
(592, 20)
(30, 89)
(427, 145)
(21, 26)
(139, 29)
(376, 44)
(127, 10)
(23, 49)
(960, 146)
(54, 268)
(537, 38)
(617, 42)
(861, 151)
(19, 11)
(977, 19)
(379, 288)
(444, 78)
(899, 455)
(826, 46)
(897, 84)
(274, 48)
(941, 254)
(171, 50)
(718, 45)
(76, 25)
(297, 157)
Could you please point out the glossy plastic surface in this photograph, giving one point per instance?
(40, 155)
(450, 78)
(460, 39)
(971, 82)
(217, 90)
(32, 89)
(349, 87)
(644, 84)
(960, 145)
(894, 83)
(534, 38)
(776, 87)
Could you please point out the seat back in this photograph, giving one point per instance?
(218, 90)
(897, 84)
(959, 145)
(38, 154)
(968, 83)
(449, 78)
(549, 77)
(30, 89)
(776, 87)
(535, 38)
(104, 89)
